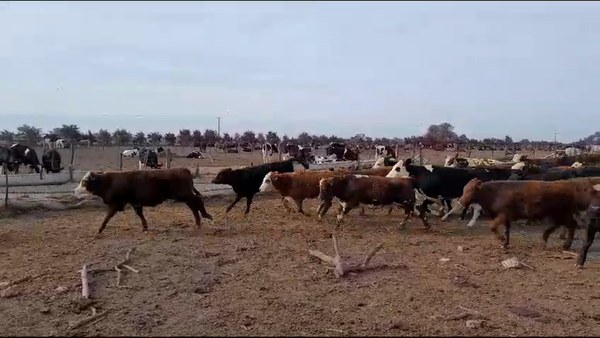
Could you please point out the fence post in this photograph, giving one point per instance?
(280, 151)
(197, 170)
(71, 173)
(396, 157)
(420, 155)
(168, 158)
(72, 148)
(5, 169)
(120, 161)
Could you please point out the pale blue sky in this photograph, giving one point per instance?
(380, 68)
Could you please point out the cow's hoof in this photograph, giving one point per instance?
(578, 266)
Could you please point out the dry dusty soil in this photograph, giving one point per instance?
(257, 278)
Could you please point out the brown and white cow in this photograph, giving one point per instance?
(145, 188)
(353, 190)
(297, 186)
(562, 202)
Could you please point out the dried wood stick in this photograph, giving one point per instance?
(371, 254)
(129, 268)
(85, 288)
(321, 256)
(335, 247)
(87, 320)
(118, 275)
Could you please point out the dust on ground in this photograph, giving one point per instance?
(258, 279)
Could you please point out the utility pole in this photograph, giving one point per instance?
(555, 133)
(219, 126)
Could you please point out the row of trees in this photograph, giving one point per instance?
(442, 133)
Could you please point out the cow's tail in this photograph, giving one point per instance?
(201, 206)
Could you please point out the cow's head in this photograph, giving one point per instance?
(267, 183)
(91, 182)
(225, 176)
(399, 169)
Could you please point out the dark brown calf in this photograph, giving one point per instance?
(592, 229)
(353, 190)
(143, 188)
(562, 202)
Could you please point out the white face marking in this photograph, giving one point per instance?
(379, 163)
(398, 170)
(518, 166)
(266, 183)
(577, 165)
(597, 187)
(26, 151)
(80, 189)
(429, 167)
(447, 161)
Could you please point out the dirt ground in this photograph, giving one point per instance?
(258, 279)
(96, 158)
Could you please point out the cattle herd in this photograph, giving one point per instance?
(13, 157)
(563, 190)
(335, 151)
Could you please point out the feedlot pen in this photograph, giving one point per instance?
(257, 277)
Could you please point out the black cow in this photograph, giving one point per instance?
(149, 158)
(247, 181)
(551, 175)
(51, 161)
(195, 154)
(26, 156)
(438, 182)
(6, 159)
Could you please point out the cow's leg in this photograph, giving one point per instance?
(140, 165)
(323, 208)
(423, 208)
(563, 233)
(495, 223)
(237, 199)
(570, 225)
(476, 213)
(248, 203)
(362, 211)
(408, 210)
(284, 201)
(299, 205)
(112, 210)
(589, 240)
(139, 210)
(346, 207)
(506, 232)
(549, 232)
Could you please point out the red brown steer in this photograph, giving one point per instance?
(562, 202)
(353, 190)
(143, 188)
